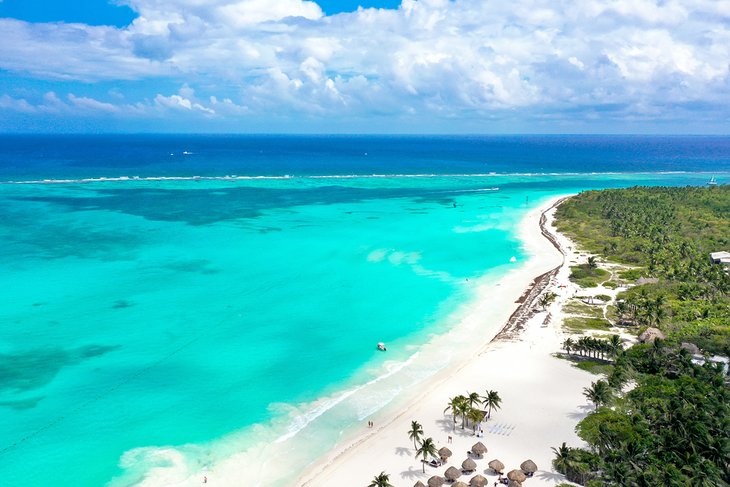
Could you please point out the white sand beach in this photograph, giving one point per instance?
(541, 395)
(496, 343)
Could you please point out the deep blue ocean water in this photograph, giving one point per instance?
(29, 157)
(163, 325)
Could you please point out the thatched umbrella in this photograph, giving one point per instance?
(651, 334)
(453, 473)
(468, 465)
(497, 466)
(478, 481)
(517, 475)
(529, 467)
(419, 484)
(444, 453)
(479, 449)
(514, 483)
(436, 481)
(459, 484)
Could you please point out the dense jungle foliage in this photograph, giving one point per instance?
(672, 429)
(668, 233)
(673, 426)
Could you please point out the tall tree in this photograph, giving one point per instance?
(475, 416)
(381, 480)
(427, 449)
(492, 401)
(415, 433)
(473, 398)
(599, 393)
(454, 406)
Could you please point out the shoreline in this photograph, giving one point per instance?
(547, 261)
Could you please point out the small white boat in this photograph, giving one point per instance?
(381, 347)
(712, 181)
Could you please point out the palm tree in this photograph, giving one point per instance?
(381, 480)
(475, 416)
(492, 401)
(427, 449)
(599, 393)
(473, 398)
(453, 406)
(546, 299)
(563, 458)
(618, 377)
(592, 263)
(569, 345)
(615, 346)
(463, 409)
(415, 433)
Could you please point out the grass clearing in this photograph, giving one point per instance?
(579, 324)
(586, 276)
(588, 364)
(577, 307)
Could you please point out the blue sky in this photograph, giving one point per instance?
(410, 66)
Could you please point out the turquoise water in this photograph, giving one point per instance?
(211, 316)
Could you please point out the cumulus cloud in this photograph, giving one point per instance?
(444, 57)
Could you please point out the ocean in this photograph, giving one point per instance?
(170, 301)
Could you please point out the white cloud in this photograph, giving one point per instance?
(429, 56)
(91, 104)
(16, 104)
(180, 102)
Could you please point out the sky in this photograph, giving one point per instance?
(369, 66)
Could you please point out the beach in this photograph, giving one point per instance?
(263, 378)
(542, 398)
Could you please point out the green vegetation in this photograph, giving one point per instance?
(579, 324)
(592, 366)
(632, 274)
(594, 347)
(586, 276)
(381, 480)
(577, 307)
(668, 234)
(415, 433)
(672, 429)
(467, 408)
(546, 300)
(427, 449)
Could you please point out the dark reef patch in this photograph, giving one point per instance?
(32, 369)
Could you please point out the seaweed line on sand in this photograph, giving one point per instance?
(526, 308)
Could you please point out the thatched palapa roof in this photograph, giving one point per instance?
(478, 448)
(690, 347)
(651, 334)
(459, 484)
(469, 465)
(436, 481)
(497, 466)
(528, 466)
(478, 481)
(444, 452)
(419, 484)
(514, 483)
(453, 473)
(517, 475)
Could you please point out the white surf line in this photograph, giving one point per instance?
(118, 179)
